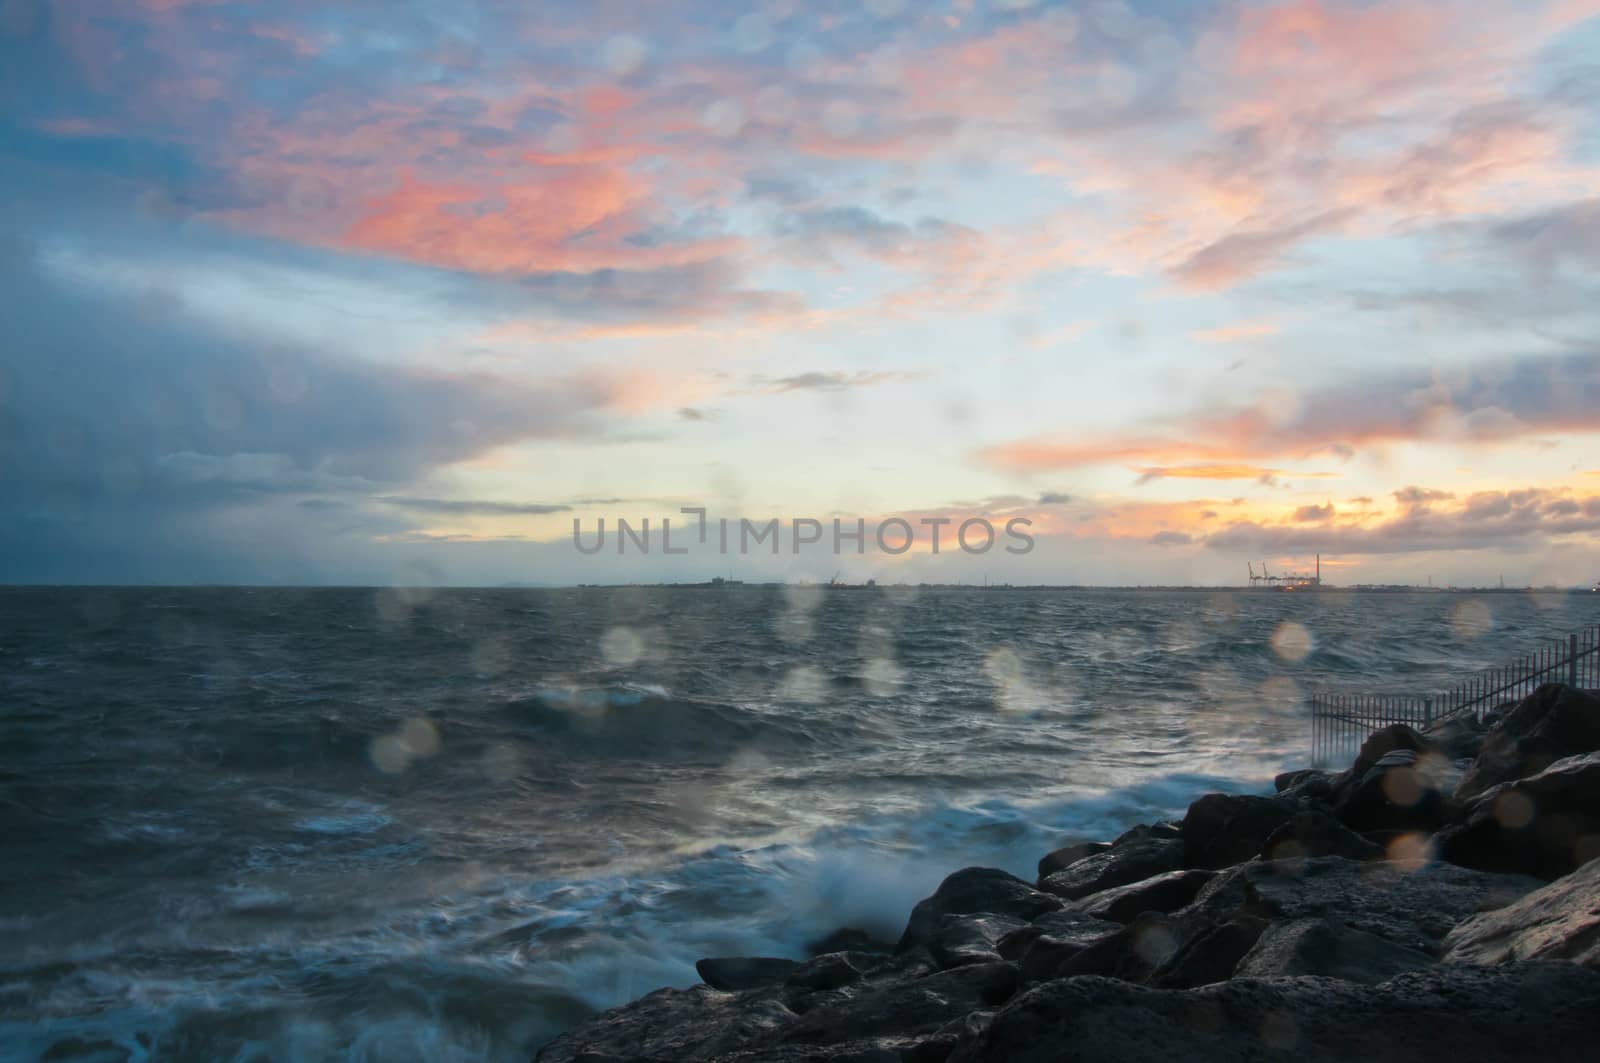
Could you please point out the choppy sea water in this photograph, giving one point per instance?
(349, 824)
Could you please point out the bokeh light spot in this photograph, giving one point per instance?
(1409, 851)
(621, 647)
(882, 677)
(1513, 810)
(1471, 619)
(1292, 641)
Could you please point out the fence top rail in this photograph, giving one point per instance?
(1553, 657)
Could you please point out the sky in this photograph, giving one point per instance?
(400, 292)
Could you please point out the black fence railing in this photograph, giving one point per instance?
(1341, 722)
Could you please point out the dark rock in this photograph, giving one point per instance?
(849, 939)
(1386, 740)
(1560, 921)
(1212, 955)
(1554, 722)
(1144, 831)
(1221, 830)
(671, 1024)
(970, 891)
(1163, 893)
(1327, 949)
(1290, 779)
(733, 973)
(937, 1047)
(1050, 863)
(1316, 833)
(1069, 928)
(1461, 737)
(906, 1007)
(1544, 1011)
(823, 973)
(1415, 906)
(1120, 865)
(1133, 954)
(1546, 825)
(1403, 791)
(962, 939)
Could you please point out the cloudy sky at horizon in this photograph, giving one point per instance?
(366, 292)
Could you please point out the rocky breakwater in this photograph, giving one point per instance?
(1437, 900)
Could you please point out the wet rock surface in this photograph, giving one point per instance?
(1554, 722)
(1545, 825)
(1559, 921)
(1528, 1011)
(1133, 861)
(971, 891)
(1383, 912)
(1327, 949)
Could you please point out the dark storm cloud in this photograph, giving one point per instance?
(474, 507)
(129, 429)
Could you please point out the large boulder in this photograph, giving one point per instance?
(848, 939)
(1317, 833)
(733, 973)
(1403, 790)
(833, 970)
(1298, 780)
(1560, 921)
(1132, 861)
(1412, 905)
(1386, 740)
(1554, 722)
(1221, 830)
(1546, 825)
(1068, 855)
(962, 939)
(1327, 949)
(1211, 955)
(688, 1024)
(1069, 929)
(1461, 736)
(1544, 1011)
(1140, 832)
(1134, 953)
(971, 891)
(905, 1007)
(1163, 893)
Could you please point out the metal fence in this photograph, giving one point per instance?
(1341, 722)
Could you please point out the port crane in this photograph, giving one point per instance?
(1295, 581)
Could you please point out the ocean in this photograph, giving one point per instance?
(346, 824)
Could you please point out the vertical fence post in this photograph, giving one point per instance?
(1572, 660)
(1427, 712)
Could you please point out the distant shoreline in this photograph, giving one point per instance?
(734, 586)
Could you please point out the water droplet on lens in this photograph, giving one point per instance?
(621, 647)
(1291, 641)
